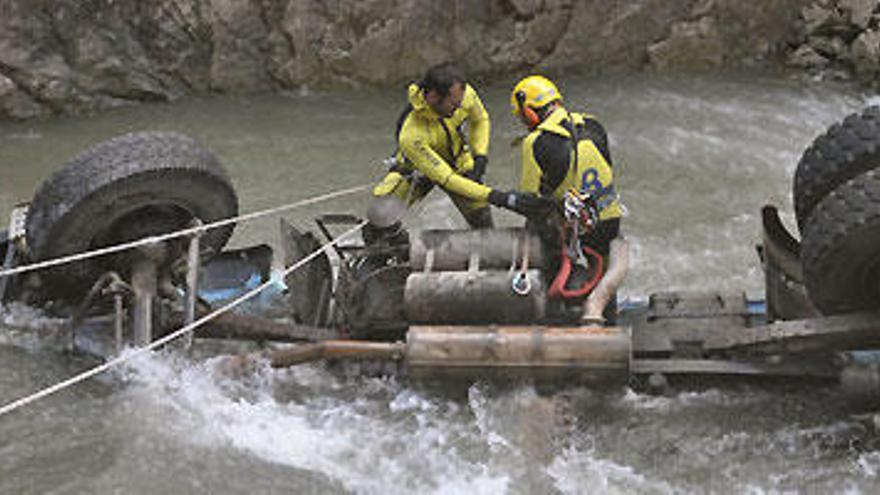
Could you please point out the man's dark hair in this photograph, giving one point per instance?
(441, 77)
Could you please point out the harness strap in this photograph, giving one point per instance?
(449, 146)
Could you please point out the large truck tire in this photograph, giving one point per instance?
(840, 251)
(126, 188)
(844, 151)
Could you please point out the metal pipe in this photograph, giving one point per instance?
(322, 298)
(7, 264)
(586, 352)
(477, 352)
(106, 280)
(144, 282)
(336, 349)
(192, 281)
(119, 316)
(247, 327)
(721, 367)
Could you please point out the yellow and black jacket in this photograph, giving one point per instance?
(435, 147)
(549, 168)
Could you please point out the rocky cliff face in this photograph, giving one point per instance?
(840, 37)
(72, 56)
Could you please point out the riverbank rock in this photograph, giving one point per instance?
(76, 56)
(840, 39)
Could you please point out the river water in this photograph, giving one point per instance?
(696, 158)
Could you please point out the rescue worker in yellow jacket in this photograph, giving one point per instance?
(566, 158)
(566, 151)
(443, 140)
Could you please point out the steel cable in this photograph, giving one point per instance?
(12, 406)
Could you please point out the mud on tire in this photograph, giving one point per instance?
(123, 189)
(841, 247)
(846, 150)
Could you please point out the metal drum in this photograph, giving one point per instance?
(475, 297)
(587, 353)
(438, 250)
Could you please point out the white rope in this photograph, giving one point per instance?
(168, 338)
(171, 235)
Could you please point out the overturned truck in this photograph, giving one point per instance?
(446, 303)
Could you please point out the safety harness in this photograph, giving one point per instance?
(581, 217)
(581, 214)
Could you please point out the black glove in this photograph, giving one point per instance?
(476, 174)
(527, 204)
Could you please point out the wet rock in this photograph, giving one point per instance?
(806, 57)
(69, 56)
(15, 103)
(821, 19)
(529, 42)
(601, 39)
(838, 38)
(692, 45)
(858, 12)
(703, 8)
(865, 52)
(827, 46)
(526, 8)
(238, 34)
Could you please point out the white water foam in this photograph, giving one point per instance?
(578, 472)
(376, 435)
(30, 328)
(406, 444)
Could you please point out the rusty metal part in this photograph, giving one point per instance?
(374, 302)
(145, 275)
(8, 259)
(677, 323)
(783, 274)
(861, 382)
(310, 286)
(472, 297)
(143, 282)
(518, 351)
(478, 352)
(705, 325)
(109, 282)
(336, 349)
(192, 280)
(336, 219)
(384, 211)
(607, 287)
(118, 323)
(656, 367)
(855, 331)
(244, 327)
(453, 249)
(782, 349)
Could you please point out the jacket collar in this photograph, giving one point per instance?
(554, 122)
(417, 100)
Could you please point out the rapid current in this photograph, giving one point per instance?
(695, 157)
